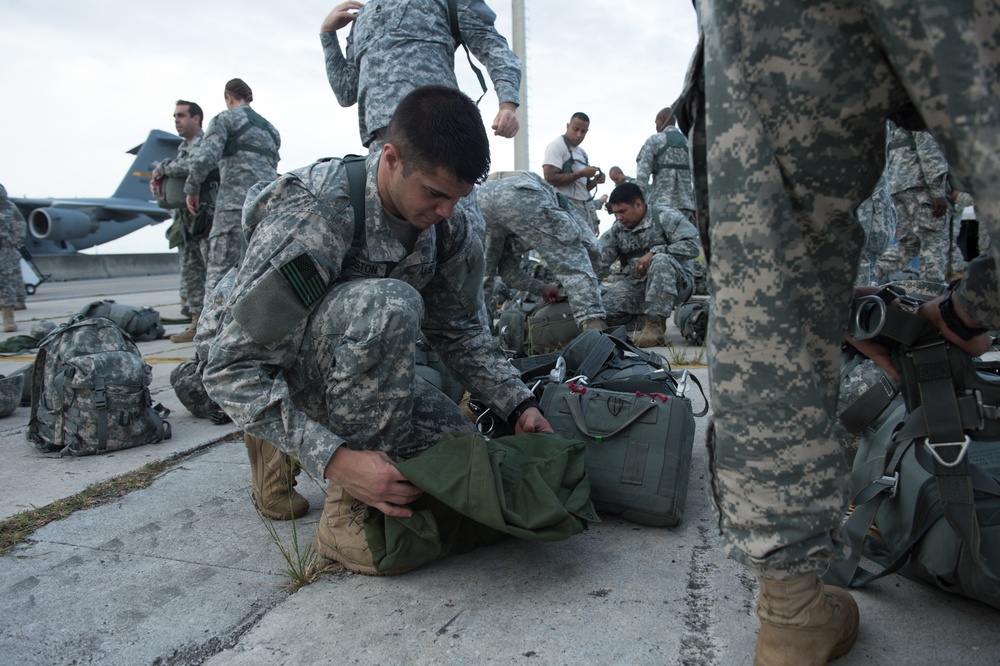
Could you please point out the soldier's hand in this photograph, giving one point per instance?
(372, 477)
(192, 201)
(550, 293)
(341, 15)
(531, 421)
(505, 124)
(642, 266)
(931, 311)
(588, 172)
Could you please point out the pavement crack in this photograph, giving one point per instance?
(443, 630)
(697, 646)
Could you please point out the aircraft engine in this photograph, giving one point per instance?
(57, 224)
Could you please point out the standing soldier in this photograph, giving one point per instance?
(194, 229)
(567, 168)
(12, 230)
(918, 178)
(388, 55)
(243, 145)
(664, 157)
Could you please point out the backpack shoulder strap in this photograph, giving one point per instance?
(457, 35)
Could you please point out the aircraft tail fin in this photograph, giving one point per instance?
(158, 146)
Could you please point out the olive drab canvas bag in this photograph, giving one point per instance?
(925, 484)
(90, 392)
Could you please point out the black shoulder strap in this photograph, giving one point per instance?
(456, 33)
(357, 180)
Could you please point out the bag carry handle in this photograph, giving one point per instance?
(576, 411)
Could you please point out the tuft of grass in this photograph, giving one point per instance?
(303, 566)
(21, 526)
(699, 356)
(677, 356)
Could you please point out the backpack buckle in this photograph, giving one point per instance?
(890, 482)
(963, 448)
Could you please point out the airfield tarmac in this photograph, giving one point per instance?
(185, 572)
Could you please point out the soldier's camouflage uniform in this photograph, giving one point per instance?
(796, 96)
(664, 156)
(316, 345)
(674, 240)
(523, 213)
(877, 216)
(12, 231)
(397, 45)
(918, 174)
(193, 252)
(255, 159)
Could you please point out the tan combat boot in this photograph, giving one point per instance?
(187, 335)
(804, 623)
(272, 477)
(651, 334)
(594, 324)
(8, 320)
(341, 533)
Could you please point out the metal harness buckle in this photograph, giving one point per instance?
(964, 448)
(890, 482)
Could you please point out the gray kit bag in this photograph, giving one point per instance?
(630, 409)
(141, 323)
(90, 392)
(926, 478)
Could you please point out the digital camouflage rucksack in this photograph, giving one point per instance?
(142, 324)
(90, 392)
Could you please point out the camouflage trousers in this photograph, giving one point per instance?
(355, 371)
(796, 96)
(920, 234)
(10, 276)
(586, 209)
(192, 255)
(225, 247)
(653, 295)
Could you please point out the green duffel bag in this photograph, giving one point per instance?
(551, 327)
(638, 448)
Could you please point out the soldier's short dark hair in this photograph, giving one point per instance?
(440, 127)
(582, 116)
(626, 193)
(193, 110)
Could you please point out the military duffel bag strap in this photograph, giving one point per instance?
(576, 411)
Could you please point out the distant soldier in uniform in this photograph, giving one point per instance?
(243, 145)
(316, 345)
(918, 178)
(618, 176)
(877, 216)
(656, 247)
(524, 213)
(387, 56)
(188, 118)
(12, 230)
(566, 167)
(664, 158)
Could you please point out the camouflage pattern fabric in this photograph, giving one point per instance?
(585, 207)
(315, 343)
(669, 234)
(664, 156)
(193, 253)
(12, 231)
(387, 55)
(877, 216)
(794, 141)
(918, 173)
(522, 213)
(237, 173)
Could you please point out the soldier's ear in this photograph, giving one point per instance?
(391, 157)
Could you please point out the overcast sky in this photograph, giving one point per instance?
(86, 81)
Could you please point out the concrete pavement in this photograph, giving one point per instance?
(185, 572)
